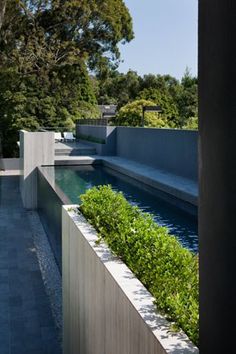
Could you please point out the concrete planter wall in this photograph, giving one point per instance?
(106, 309)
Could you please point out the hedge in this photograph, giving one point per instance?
(168, 270)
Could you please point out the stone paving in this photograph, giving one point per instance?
(26, 321)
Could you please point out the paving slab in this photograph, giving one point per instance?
(26, 321)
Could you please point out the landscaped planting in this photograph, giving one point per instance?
(169, 271)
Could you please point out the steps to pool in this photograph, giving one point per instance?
(73, 149)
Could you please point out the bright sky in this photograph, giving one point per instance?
(165, 37)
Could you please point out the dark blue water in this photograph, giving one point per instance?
(75, 180)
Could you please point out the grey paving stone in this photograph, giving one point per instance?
(26, 322)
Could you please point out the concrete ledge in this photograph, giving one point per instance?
(177, 186)
(12, 164)
(106, 309)
(76, 160)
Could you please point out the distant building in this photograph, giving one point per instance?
(108, 111)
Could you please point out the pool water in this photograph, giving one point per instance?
(75, 180)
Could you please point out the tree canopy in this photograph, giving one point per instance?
(131, 115)
(59, 59)
(178, 99)
(46, 50)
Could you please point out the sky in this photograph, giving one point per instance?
(165, 37)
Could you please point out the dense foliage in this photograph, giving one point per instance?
(46, 49)
(178, 99)
(131, 115)
(169, 271)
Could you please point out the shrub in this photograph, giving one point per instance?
(191, 124)
(131, 115)
(169, 271)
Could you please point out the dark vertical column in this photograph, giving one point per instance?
(217, 173)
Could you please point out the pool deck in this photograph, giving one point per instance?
(26, 322)
(180, 187)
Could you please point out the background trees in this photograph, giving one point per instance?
(178, 99)
(131, 115)
(59, 59)
(46, 50)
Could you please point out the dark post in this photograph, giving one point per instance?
(143, 113)
(150, 109)
(217, 172)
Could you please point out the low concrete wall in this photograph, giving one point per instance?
(12, 164)
(50, 201)
(36, 149)
(106, 309)
(175, 151)
(171, 150)
(106, 133)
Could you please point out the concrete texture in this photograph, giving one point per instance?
(77, 160)
(50, 201)
(12, 164)
(174, 151)
(106, 309)
(26, 322)
(36, 149)
(73, 149)
(217, 171)
(106, 133)
(182, 188)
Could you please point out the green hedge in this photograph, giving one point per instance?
(169, 271)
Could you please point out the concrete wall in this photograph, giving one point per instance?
(36, 149)
(106, 310)
(172, 150)
(12, 164)
(106, 133)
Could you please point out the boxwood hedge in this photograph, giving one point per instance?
(168, 270)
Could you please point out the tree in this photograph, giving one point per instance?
(2, 11)
(118, 88)
(166, 102)
(187, 98)
(191, 124)
(52, 33)
(131, 115)
(46, 48)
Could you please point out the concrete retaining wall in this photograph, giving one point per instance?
(36, 149)
(12, 164)
(106, 309)
(106, 133)
(172, 150)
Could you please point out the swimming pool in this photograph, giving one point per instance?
(75, 180)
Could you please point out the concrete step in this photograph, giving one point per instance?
(75, 152)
